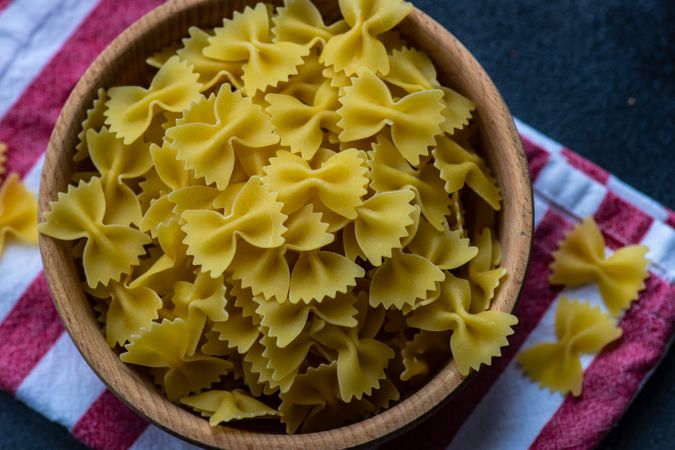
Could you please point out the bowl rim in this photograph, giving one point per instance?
(422, 403)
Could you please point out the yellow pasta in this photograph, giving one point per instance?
(580, 259)
(130, 109)
(483, 273)
(211, 71)
(111, 250)
(339, 184)
(246, 38)
(299, 21)
(302, 126)
(359, 47)
(476, 338)
(130, 310)
(165, 345)
(212, 237)
(368, 106)
(219, 121)
(390, 172)
(117, 162)
(18, 212)
(224, 406)
(580, 328)
(278, 218)
(93, 121)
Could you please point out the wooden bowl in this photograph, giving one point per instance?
(123, 63)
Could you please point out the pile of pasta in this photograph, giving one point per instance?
(291, 220)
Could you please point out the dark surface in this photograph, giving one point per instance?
(598, 77)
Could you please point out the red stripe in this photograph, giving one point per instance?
(109, 425)
(536, 298)
(26, 334)
(671, 218)
(4, 4)
(615, 376)
(585, 166)
(28, 124)
(537, 157)
(621, 222)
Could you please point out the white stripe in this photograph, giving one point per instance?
(19, 263)
(514, 410)
(31, 32)
(537, 138)
(637, 198)
(541, 205)
(61, 386)
(154, 438)
(660, 239)
(569, 188)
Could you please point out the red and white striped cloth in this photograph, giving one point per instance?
(45, 46)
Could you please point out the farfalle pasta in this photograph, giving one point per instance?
(580, 329)
(275, 227)
(18, 212)
(580, 259)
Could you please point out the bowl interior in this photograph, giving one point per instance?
(123, 62)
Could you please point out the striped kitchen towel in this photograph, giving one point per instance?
(45, 46)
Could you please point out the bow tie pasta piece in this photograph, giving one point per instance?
(299, 21)
(255, 217)
(239, 331)
(225, 406)
(421, 354)
(205, 136)
(130, 109)
(211, 71)
(413, 71)
(130, 310)
(172, 263)
(266, 271)
(340, 182)
(476, 338)
(382, 222)
(309, 79)
(170, 170)
(18, 211)
(359, 46)
(459, 167)
(389, 171)
(361, 361)
(367, 107)
(580, 328)
(286, 321)
(446, 249)
(313, 403)
(246, 38)
(196, 302)
(580, 259)
(321, 274)
(404, 279)
(484, 274)
(165, 345)
(94, 121)
(111, 250)
(259, 374)
(302, 126)
(117, 162)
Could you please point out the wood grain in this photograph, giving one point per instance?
(123, 63)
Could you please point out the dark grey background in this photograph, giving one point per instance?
(597, 76)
